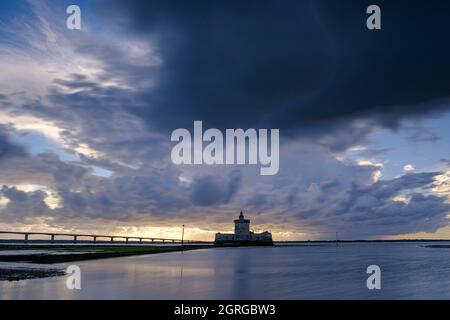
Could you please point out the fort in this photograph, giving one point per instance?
(243, 236)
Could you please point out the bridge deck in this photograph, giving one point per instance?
(94, 237)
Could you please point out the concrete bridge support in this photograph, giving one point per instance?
(74, 238)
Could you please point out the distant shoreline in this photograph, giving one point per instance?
(81, 243)
(362, 241)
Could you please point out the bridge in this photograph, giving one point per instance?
(94, 238)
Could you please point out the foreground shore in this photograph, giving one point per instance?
(19, 262)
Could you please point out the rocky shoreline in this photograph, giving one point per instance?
(24, 271)
(19, 274)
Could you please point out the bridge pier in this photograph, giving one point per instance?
(75, 238)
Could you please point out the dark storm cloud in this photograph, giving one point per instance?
(23, 204)
(291, 64)
(373, 152)
(361, 211)
(213, 190)
(384, 216)
(408, 181)
(44, 169)
(369, 199)
(81, 194)
(95, 115)
(8, 148)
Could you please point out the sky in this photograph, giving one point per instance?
(86, 117)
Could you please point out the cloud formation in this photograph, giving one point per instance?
(292, 65)
(309, 68)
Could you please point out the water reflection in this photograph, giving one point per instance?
(409, 271)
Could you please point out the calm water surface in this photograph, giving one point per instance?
(409, 271)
